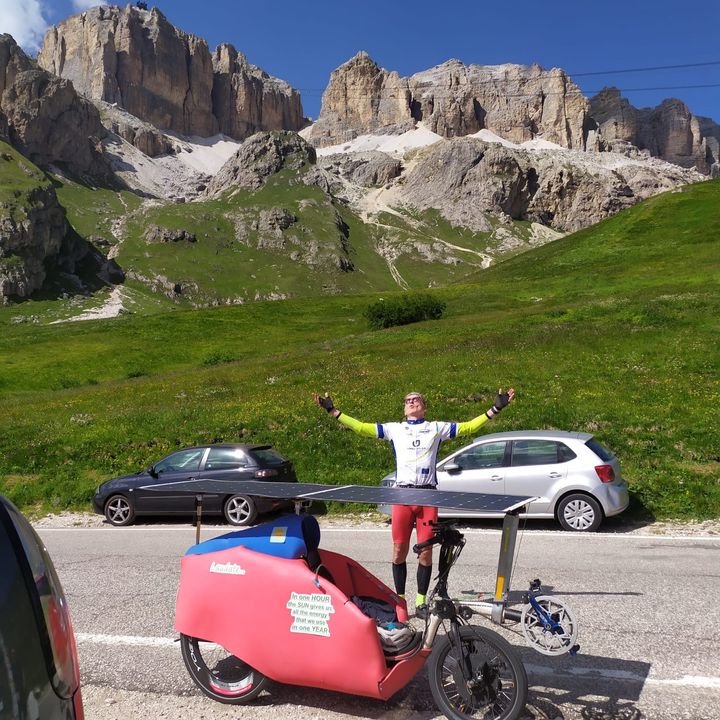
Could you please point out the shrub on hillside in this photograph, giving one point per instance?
(404, 310)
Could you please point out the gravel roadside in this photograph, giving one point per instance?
(617, 525)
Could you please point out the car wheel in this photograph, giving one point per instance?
(579, 513)
(119, 511)
(240, 510)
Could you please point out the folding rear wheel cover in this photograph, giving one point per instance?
(220, 675)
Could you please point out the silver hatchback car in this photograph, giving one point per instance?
(576, 480)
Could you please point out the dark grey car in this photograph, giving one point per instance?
(151, 491)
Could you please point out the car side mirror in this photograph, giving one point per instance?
(152, 472)
(452, 468)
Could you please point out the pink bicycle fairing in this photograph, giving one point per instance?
(276, 614)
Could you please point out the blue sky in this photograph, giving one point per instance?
(304, 42)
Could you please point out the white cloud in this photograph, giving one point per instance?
(82, 5)
(25, 21)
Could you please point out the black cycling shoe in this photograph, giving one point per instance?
(422, 611)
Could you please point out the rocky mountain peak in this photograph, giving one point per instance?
(516, 102)
(160, 74)
(669, 131)
(260, 156)
(45, 118)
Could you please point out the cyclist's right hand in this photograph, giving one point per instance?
(324, 402)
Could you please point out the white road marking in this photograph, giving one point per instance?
(712, 683)
(606, 674)
(136, 640)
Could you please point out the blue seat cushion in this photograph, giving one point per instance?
(288, 536)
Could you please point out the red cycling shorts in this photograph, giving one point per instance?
(407, 517)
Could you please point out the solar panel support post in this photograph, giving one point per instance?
(302, 506)
(505, 563)
(198, 516)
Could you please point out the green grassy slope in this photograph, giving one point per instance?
(612, 330)
(310, 257)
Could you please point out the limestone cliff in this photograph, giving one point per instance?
(45, 118)
(247, 100)
(262, 155)
(160, 74)
(32, 226)
(516, 102)
(562, 189)
(669, 131)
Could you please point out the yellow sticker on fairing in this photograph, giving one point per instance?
(279, 535)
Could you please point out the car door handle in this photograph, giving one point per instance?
(555, 475)
(496, 478)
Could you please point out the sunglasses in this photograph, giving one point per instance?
(414, 398)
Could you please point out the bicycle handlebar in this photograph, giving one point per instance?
(444, 532)
(417, 549)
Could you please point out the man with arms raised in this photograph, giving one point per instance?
(415, 442)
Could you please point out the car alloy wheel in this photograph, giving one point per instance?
(119, 510)
(579, 513)
(240, 510)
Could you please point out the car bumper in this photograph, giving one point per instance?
(613, 498)
(97, 504)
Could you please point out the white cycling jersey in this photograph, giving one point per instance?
(416, 444)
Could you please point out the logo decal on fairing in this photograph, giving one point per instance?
(227, 568)
(279, 535)
(310, 613)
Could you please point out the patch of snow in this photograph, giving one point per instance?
(390, 144)
(540, 144)
(489, 136)
(305, 132)
(165, 176)
(206, 155)
(112, 307)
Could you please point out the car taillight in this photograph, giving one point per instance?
(605, 473)
(77, 704)
(60, 631)
(265, 473)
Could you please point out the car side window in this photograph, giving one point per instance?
(536, 452)
(226, 459)
(483, 456)
(183, 461)
(565, 454)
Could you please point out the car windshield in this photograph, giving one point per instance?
(603, 453)
(267, 456)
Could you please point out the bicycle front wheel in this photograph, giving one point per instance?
(220, 675)
(497, 689)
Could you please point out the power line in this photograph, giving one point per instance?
(545, 94)
(496, 81)
(646, 69)
(661, 87)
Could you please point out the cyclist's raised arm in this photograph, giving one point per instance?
(502, 400)
(361, 428)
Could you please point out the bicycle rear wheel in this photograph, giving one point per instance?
(220, 675)
(498, 686)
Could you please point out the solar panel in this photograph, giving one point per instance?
(211, 486)
(351, 493)
(427, 497)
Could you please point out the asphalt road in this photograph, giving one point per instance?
(647, 608)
